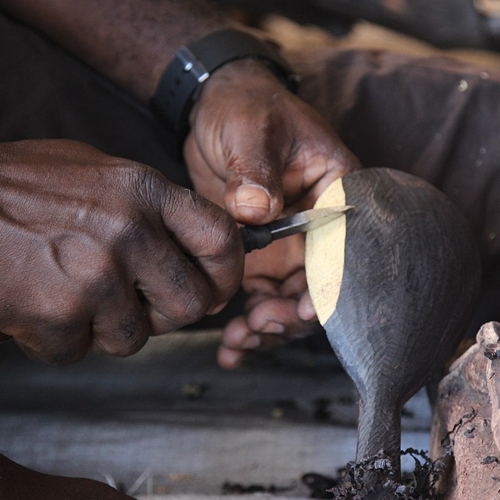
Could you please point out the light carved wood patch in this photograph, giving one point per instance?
(325, 251)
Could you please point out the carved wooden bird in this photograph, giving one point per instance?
(393, 282)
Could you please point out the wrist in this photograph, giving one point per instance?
(244, 79)
(234, 72)
(221, 53)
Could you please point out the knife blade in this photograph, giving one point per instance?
(257, 237)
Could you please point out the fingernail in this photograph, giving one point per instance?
(253, 196)
(229, 360)
(273, 327)
(216, 309)
(251, 342)
(307, 312)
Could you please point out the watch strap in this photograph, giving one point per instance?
(182, 81)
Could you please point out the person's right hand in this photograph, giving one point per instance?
(100, 253)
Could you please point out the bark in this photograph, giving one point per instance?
(468, 409)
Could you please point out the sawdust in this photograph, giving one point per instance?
(376, 478)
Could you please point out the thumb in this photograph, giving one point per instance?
(254, 188)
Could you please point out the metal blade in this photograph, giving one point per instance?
(305, 221)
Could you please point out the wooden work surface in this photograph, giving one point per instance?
(283, 414)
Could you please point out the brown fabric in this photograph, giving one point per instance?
(435, 118)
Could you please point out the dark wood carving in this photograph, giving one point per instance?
(410, 279)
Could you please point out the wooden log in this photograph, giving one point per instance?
(468, 412)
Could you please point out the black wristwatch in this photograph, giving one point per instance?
(192, 65)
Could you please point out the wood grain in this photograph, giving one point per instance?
(409, 280)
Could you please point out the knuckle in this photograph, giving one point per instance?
(144, 178)
(258, 164)
(65, 319)
(147, 185)
(223, 237)
(144, 193)
(197, 305)
(67, 357)
(179, 272)
(125, 349)
(133, 198)
(192, 307)
(57, 344)
(130, 227)
(150, 191)
(72, 315)
(176, 200)
(129, 337)
(131, 171)
(262, 169)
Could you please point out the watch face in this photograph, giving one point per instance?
(490, 8)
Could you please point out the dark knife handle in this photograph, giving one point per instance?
(255, 237)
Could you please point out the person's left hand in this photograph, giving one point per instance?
(261, 152)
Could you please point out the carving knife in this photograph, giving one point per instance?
(257, 237)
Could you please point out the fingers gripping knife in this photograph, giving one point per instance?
(393, 282)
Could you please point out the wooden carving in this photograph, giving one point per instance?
(393, 283)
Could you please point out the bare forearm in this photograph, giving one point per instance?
(129, 41)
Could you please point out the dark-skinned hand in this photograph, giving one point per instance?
(261, 152)
(99, 253)
(19, 483)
